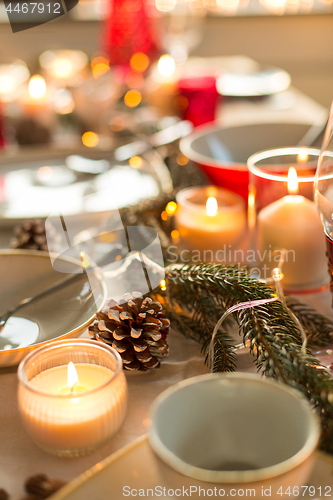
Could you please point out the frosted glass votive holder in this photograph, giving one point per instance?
(72, 419)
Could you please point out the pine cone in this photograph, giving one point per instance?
(137, 328)
(3, 494)
(30, 235)
(29, 131)
(40, 486)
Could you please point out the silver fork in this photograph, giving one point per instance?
(5, 317)
(118, 249)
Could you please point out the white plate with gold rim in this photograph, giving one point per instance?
(136, 467)
(37, 182)
(59, 315)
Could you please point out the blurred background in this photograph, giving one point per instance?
(295, 35)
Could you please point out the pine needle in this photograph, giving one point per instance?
(204, 292)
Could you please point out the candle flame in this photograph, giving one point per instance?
(211, 206)
(37, 86)
(292, 181)
(166, 65)
(72, 377)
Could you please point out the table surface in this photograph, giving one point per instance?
(20, 457)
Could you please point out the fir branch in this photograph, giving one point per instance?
(318, 328)
(224, 353)
(133, 214)
(274, 338)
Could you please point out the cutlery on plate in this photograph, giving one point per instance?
(106, 259)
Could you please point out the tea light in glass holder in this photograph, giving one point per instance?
(283, 218)
(72, 396)
(35, 101)
(209, 219)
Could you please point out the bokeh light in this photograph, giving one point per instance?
(228, 4)
(132, 98)
(182, 159)
(84, 260)
(166, 65)
(90, 139)
(107, 237)
(171, 207)
(62, 67)
(7, 84)
(100, 65)
(11, 78)
(139, 62)
(302, 157)
(135, 161)
(165, 5)
(163, 285)
(63, 63)
(37, 86)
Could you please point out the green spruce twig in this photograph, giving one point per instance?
(318, 328)
(204, 292)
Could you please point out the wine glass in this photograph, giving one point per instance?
(183, 27)
(324, 189)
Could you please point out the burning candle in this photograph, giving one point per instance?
(35, 99)
(209, 219)
(70, 408)
(292, 223)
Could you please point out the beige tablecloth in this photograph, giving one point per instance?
(21, 458)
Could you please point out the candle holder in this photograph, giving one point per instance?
(210, 221)
(201, 98)
(66, 418)
(283, 221)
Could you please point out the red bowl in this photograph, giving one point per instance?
(222, 152)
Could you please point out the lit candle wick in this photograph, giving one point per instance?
(292, 181)
(72, 377)
(37, 87)
(211, 206)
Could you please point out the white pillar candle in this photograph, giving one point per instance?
(292, 223)
(73, 418)
(209, 219)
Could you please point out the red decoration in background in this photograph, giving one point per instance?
(201, 98)
(127, 31)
